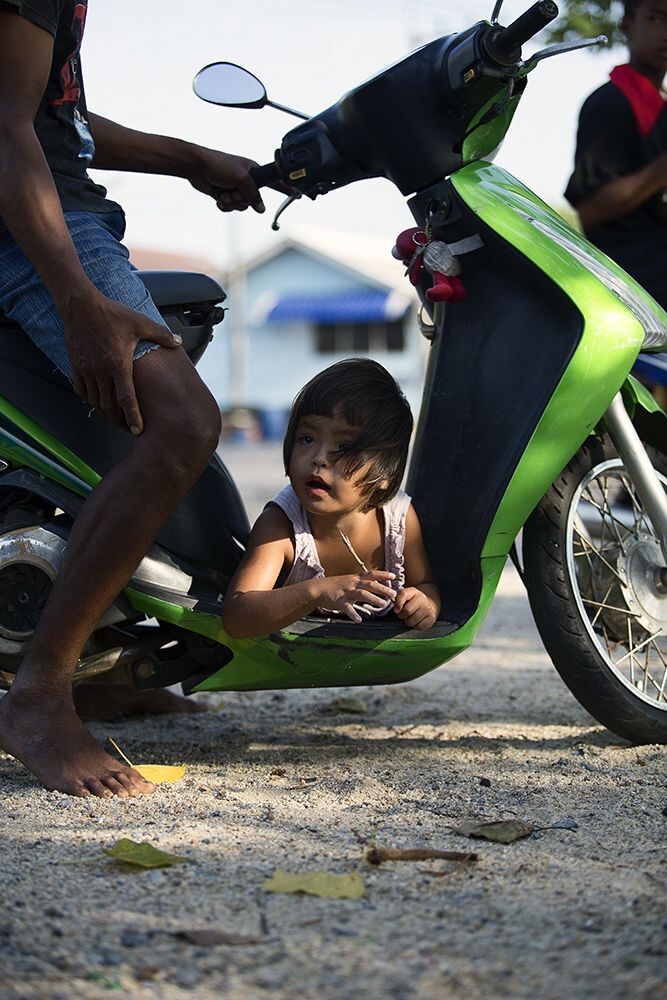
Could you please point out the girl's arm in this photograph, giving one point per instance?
(252, 607)
(418, 604)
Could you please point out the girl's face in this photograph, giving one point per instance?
(313, 468)
(646, 35)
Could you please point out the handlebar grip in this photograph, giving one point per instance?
(504, 44)
(266, 175)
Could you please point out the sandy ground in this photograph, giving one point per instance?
(286, 781)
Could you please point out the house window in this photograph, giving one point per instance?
(359, 338)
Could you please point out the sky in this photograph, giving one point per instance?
(139, 61)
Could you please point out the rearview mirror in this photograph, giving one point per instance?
(230, 85)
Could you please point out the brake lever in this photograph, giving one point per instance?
(285, 205)
(558, 49)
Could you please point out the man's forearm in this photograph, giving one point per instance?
(31, 210)
(121, 148)
(623, 195)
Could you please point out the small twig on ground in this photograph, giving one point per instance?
(377, 855)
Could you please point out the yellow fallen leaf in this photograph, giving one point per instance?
(143, 855)
(157, 773)
(323, 884)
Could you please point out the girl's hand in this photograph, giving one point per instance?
(341, 593)
(414, 608)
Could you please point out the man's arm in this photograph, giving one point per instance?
(31, 210)
(220, 175)
(622, 195)
(610, 178)
(29, 202)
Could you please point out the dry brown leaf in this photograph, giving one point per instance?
(502, 831)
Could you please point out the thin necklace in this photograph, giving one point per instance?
(349, 545)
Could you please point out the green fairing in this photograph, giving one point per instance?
(611, 340)
(635, 394)
(483, 141)
(68, 470)
(286, 660)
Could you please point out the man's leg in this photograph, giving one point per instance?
(118, 522)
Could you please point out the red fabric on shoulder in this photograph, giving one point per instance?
(644, 97)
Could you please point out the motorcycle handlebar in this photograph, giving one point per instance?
(505, 44)
(266, 175)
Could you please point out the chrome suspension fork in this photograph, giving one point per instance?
(640, 469)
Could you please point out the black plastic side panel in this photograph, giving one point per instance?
(493, 368)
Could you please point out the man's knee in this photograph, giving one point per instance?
(181, 418)
(191, 428)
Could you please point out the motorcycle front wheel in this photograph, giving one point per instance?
(597, 587)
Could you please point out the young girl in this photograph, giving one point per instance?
(342, 537)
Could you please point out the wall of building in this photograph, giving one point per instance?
(263, 365)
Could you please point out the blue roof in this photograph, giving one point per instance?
(333, 307)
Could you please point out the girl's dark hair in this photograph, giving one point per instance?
(368, 397)
(630, 7)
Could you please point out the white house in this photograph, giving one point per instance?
(313, 298)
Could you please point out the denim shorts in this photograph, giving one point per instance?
(97, 238)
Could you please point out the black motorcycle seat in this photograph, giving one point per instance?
(171, 288)
(184, 288)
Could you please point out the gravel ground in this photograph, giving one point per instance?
(287, 781)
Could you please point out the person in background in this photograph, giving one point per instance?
(619, 183)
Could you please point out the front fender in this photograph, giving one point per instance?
(647, 415)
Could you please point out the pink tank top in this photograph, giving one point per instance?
(307, 564)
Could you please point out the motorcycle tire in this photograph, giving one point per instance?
(597, 589)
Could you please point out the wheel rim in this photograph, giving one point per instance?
(616, 571)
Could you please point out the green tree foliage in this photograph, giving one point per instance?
(587, 18)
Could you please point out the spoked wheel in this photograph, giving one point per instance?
(597, 585)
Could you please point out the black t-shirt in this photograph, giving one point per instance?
(61, 120)
(610, 145)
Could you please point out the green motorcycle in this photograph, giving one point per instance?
(531, 426)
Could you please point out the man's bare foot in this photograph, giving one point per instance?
(111, 701)
(42, 730)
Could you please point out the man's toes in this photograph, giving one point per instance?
(114, 785)
(134, 783)
(99, 788)
(78, 789)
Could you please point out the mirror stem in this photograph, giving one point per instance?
(289, 111)
(496, 12)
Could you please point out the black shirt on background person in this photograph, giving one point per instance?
(619, 183)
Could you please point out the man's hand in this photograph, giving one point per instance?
(414, 608)
(100, 336)
(226, 179)
(340, 593)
